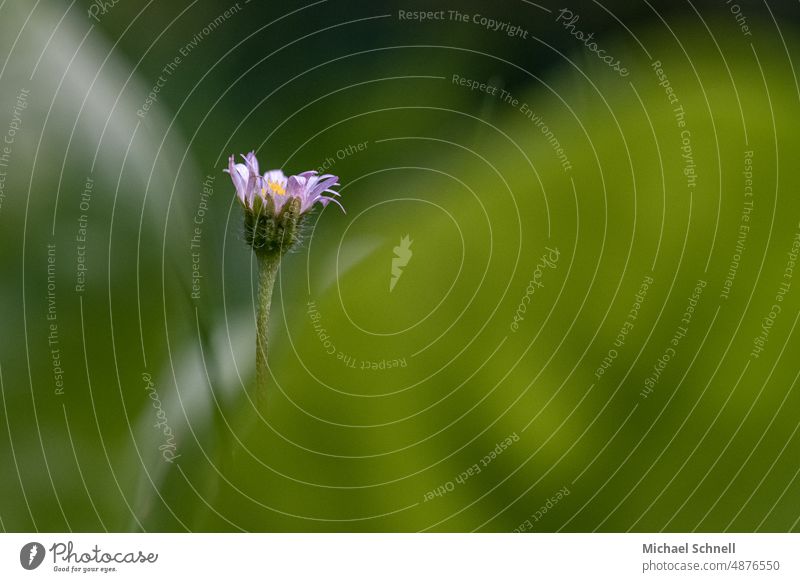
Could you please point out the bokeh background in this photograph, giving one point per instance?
(127, 292)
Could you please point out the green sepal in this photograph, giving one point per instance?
(271, 234)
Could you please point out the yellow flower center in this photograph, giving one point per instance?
(275, 188)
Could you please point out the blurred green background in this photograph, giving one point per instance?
(423, 407)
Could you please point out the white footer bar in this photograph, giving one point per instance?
(400, 557)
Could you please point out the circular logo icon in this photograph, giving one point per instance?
(31, 555)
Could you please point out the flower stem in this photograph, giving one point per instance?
(268, 263)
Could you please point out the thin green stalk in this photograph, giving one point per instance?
(268, 263)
